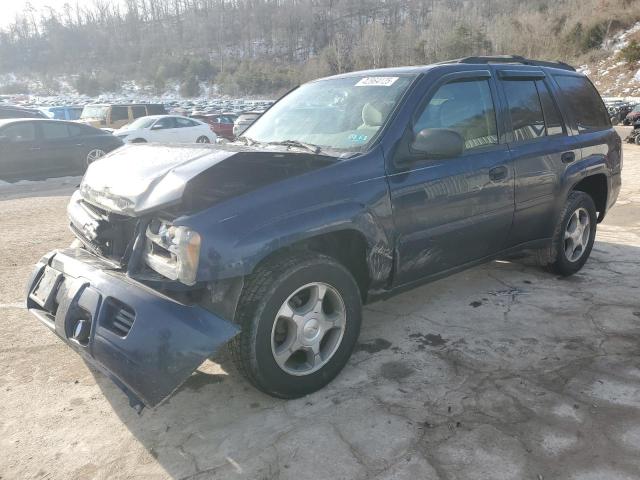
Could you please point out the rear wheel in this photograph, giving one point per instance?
(574, 235)
(300, 317)
(94, 155)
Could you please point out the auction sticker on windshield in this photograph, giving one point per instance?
(376, 81)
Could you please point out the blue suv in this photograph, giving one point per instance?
(348, 190)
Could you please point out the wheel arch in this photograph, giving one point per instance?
(596, 186)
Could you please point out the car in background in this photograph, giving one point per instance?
(244, 121)
(116, 116)
(8, 111)
(166, 129)
(63, 112)
(633, 116)
(35, 149)
(221, 124)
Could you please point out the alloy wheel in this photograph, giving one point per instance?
(94, 155)
(577, 234)
(308, 329)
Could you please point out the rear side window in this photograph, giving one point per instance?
(525, 109)
(465, 107)
(184, 122)
(54, 131)
(584, 103)
(155, 109)
(139, 111)
(552, 118)
(119, 113)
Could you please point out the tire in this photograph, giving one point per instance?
(203, 139)
(138, 140)
(636, 139)
(567, 257)
(268, 291)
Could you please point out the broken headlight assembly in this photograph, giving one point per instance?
(172, 251)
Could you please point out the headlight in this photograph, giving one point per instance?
(172, 251)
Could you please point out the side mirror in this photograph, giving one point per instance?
(156, 127)
(438, 142)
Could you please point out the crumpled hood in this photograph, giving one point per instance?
(136, 179)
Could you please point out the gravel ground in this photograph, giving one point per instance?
(501, 372)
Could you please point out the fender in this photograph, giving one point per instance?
(304, 225)
(241, 257)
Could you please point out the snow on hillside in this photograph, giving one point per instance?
(613, 76)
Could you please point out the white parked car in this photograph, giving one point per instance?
(166, 129)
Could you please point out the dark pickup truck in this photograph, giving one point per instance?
(348, 190)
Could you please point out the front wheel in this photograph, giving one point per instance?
(574, 235)
(300, 317)
(203, 139)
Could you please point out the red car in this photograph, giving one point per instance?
(221, 123)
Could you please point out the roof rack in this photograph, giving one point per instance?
(511, 59)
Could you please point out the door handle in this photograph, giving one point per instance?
(498, 173)
(568, 157)
(35, 148)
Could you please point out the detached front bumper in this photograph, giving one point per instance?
(147, 343)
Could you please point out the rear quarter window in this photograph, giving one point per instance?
(584, 103)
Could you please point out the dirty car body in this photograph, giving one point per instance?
(150, 289)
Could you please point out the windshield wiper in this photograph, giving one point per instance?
(296, 144)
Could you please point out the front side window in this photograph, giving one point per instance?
(141, 123)
(584, 103)
(465, 107)
(54, 130)
(19, 132)
(337, 113)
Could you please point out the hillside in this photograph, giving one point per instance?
(249, 47)
(612, 75)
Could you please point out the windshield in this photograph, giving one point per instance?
(339, 113)
(142, 122)
(92, 111)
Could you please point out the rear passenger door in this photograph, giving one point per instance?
(541, 149)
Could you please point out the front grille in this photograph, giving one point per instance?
(105, 233)
(118, 318)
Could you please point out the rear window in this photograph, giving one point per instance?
(584, 103)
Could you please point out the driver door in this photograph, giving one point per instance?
(452, 211)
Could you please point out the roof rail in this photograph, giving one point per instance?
(511, 59)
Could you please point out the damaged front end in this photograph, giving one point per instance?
(125, 297)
